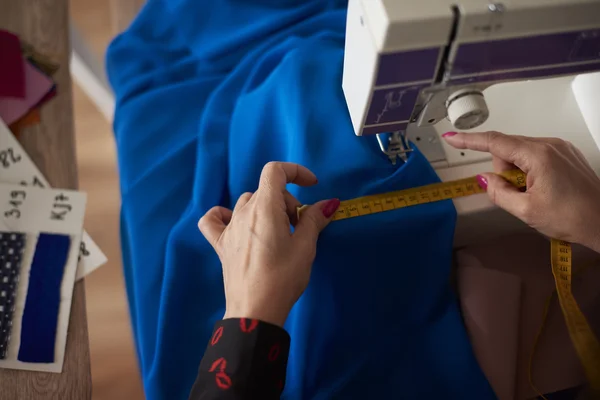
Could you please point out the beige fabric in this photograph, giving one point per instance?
(503, 287)
(487, 319)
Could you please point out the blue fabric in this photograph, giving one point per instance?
(40, 317)
(207, 93)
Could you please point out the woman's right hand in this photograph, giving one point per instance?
(563, 192)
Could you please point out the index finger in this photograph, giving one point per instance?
(508, 148)
(275, 175)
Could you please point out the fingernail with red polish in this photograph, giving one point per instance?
(330, 207)
(482, 182)
(448, 134)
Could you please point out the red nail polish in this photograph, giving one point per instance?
(330, 207)
(448, 134)
(481, 181)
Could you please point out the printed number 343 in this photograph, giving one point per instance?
(16, 201)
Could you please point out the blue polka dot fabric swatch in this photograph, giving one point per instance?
(11, 252)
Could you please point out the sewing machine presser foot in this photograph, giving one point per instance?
(394, 145)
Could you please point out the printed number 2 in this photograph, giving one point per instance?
(84, 249)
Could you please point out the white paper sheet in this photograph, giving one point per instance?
(34, 210)
(17, 168)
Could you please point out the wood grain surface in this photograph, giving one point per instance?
(51, 145)
(123, 12)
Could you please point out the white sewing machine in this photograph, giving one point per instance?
(416, 69)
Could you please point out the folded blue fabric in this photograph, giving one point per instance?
(207, 93)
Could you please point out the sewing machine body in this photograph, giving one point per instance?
(404, 60)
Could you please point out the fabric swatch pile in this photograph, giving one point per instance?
(41, 233)
(43, 248)
(25, 82)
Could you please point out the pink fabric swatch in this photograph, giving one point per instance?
(37, 85)
(12, 67)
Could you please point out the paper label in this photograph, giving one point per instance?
(17, 168)
(32, 210)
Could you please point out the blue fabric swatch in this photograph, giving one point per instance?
(40, 317)
(207, 93)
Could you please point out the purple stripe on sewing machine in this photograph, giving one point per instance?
(392, 105)
(526, 52)
(407, 66)
(372, 130)
(530, 74)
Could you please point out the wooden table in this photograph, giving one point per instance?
(51, 145)
(123, 12)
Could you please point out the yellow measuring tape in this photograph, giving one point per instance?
(582, 336)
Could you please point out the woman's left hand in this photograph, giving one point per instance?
(266, 267)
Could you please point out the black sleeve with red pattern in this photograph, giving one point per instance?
(244, 359)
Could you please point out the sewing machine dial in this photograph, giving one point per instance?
(467, 109)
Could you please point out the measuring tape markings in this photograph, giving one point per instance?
(584, 341)
(377, 203)
(582, 337)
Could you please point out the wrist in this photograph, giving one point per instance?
(273, 317)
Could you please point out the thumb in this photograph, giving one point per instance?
(315, 218)
(213, 224)
(503, 194)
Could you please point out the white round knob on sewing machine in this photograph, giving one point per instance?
(467, 109)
